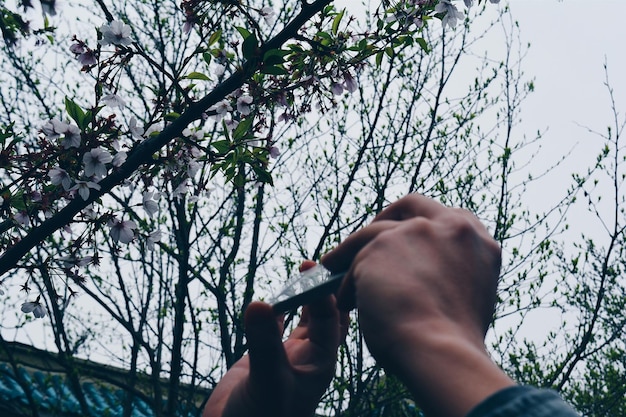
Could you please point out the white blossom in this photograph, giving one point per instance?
(450, 11)
(113, 100)
(83, 188)
(285, 117)
(274, 152)
(150, 202)
(181, 190)
(78, 48)
(70, 261)
(36, 196)
(336, 88)
(34, 307)
(88, 58)
(243, 105)
(119, 159)
(349, 82)
(89, 213)
(71, 137)
(193, 167)
(122, 231)
(219, 70)
(22, 218)
(268, 15)
(54, 128)
(59, 176)
(231, 124)
(194, 134)
(153, 238)
(49, 129)
(95, 161)
(221, 108)
(117, 33)
(135, 130)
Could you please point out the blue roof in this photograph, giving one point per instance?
(53, 396)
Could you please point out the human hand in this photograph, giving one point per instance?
(282, 379)
(423, 278)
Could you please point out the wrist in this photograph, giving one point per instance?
(447, 369)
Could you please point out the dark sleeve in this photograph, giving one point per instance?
(523, 401)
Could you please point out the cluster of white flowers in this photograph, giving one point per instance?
(94, 160)
(243, 104)
(83, 54)
(67, 133)
(116, 33)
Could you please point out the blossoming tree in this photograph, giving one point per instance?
(179, 160)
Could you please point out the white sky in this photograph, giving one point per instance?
(570, 41)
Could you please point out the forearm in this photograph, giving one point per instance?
(447, 375)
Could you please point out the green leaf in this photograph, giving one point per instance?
(215, 37)
(171, 116)
(250, 47)
(75, 112)
(273, 60)
(197, 76)
(275, 56)
(422, 43)
(90, 115)
(245, 33)
(222, 146)
(336, 21)
(379, 58)
(274, 70)
(262, 175)
(207, 57)
(242, 128)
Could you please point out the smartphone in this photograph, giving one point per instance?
(310, 285)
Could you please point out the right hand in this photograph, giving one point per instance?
(423, 278)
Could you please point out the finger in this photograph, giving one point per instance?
(322, 322)
(413, 205)
(340, 258)
(307, 265)
(266, 352)
(301, 331)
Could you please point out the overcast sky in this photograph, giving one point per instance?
(570, 41)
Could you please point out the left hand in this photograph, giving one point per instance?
(282, 379)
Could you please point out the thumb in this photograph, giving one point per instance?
(268, 360)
